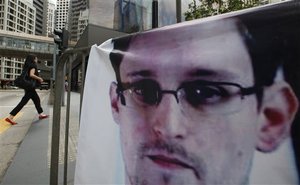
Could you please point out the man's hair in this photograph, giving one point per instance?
(268, 35)
(275, 39)
(264, 67)
(115, 56)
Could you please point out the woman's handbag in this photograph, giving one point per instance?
(24, 81)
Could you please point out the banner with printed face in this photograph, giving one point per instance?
(210, 101)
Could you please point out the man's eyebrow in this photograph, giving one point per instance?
(211, 73)
(141, 73)
(220, 73)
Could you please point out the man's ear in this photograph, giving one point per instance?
(278, 109)
(114, 101)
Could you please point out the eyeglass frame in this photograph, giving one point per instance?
(244, 91)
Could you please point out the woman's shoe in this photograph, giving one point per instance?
(10, 121)
(43, 116)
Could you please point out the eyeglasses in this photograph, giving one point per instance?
(194, 97)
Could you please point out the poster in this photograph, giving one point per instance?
(210, 101)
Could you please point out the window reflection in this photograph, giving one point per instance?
(8, 42)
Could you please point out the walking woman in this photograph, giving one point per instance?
(31, 67)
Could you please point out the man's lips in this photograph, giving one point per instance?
(168, 162)
(172, 163)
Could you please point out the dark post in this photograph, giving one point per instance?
(52, 82)
(65, 38)
(154, 14)
(178, 11)
(61, 38)
(58, 38)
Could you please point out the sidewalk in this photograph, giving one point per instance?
(31, 165)
(11, 139)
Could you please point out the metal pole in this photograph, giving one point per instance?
(56, 121)
(154, 14)
(67, 121)
(59, 79)
(51, 98)
(121, 14)
(54, 61)
(83, 66)
(178, 11)
(63, 87)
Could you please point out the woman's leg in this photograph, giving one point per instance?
(37, 102)
(21, 104)
(17, 109)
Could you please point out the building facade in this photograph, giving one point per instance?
(41, 16)
(51, 18)
(78, 18)
(62, 14)
(15, 16)
(83, 21)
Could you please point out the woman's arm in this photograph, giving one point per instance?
(32, 75)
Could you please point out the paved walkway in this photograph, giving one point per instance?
(31, 164)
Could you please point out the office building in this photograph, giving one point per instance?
(41, 17)
(78, 18)
(62, 14)
(130, 17)
(82, 22)
(51, 18)
(15, 16)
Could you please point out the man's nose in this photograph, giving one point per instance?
(169, 119)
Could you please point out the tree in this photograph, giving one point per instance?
(213, 7)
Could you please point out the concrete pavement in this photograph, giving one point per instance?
(25, 148)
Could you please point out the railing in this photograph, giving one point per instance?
(67, 58)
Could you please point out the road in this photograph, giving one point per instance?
(25, 147)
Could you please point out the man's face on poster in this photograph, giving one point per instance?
(183, 121)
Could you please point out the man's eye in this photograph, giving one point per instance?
(203, 95)
(145, 96)
(140, 92)
(145, 92)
